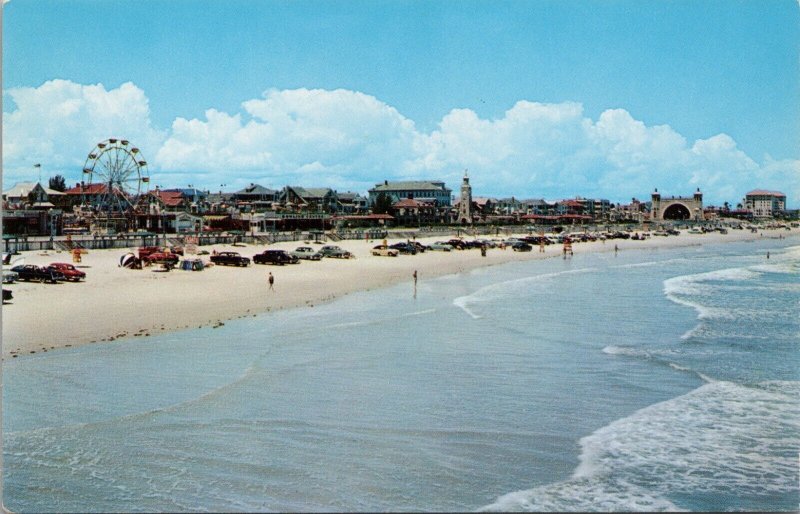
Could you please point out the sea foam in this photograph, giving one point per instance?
(718, 438)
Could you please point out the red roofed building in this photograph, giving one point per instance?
(172, 200)
(93, 193)
(409, 211)
(765, 204)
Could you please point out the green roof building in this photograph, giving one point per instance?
(418, 190)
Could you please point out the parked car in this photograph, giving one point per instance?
(536, 240)
(440, 247)
(279, 257)
(420, 247)
(144, 251)
(9, 277)
(69, 271)
(521, 247)
(406, 248)
(385, 251)
(230, 259)
(32, 273)
(334, 251)
(167, 258)
(306, 252)
(458, 244)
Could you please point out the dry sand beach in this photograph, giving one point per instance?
(115, 302)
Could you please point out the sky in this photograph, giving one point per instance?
(535, 98)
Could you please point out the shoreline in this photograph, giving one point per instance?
(115, 303)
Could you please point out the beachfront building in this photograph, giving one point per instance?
(32, 195)
(352, 203)
(32, 209)
(192, 199)
(598, 209)
(410, 211)
(765, 204)
(635, 212)
(677, 207)
(89, 194)
(539, 206)
(308, 199)
(255, 198)
(420, 190)
(220, 203)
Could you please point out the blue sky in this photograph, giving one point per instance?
(536, 98)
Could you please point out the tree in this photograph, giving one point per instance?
(383, 204)
(58, 183)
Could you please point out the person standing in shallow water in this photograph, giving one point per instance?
(271, 281)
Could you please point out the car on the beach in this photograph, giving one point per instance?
(521, 247)
(69, 271)
(167, 258)
(230, 259)
(458, 244)
(334, 251)
(32, 273)
(533, 240)
(279, 257)
(9, 277)
(440, 247)
(385, 251)
(306, 252)
(403, 247)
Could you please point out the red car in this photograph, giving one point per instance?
(69, 271)
(168, 258)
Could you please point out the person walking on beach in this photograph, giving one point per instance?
(415, 283)
(616, 249)
(271, 281)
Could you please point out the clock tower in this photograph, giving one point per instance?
(465, 203)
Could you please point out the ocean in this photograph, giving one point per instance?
(650, 380)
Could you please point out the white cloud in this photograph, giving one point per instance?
(350, 140)
(58, 123)
(289, 134)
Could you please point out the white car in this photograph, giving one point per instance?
(384, 251)
(306, 252)
(9, 277)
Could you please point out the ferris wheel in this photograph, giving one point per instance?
(115, 176)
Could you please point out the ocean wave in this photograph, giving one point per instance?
(687, 290)
(659, 356)
(377, 321)
(648, 264)
(784, 268)
(722, 438)
(695, 284)
(582, 496)
(501, 290)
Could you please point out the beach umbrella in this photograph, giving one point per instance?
(128, 260)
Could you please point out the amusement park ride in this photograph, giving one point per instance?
(115, 179)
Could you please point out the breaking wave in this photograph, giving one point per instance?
(718, 438)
